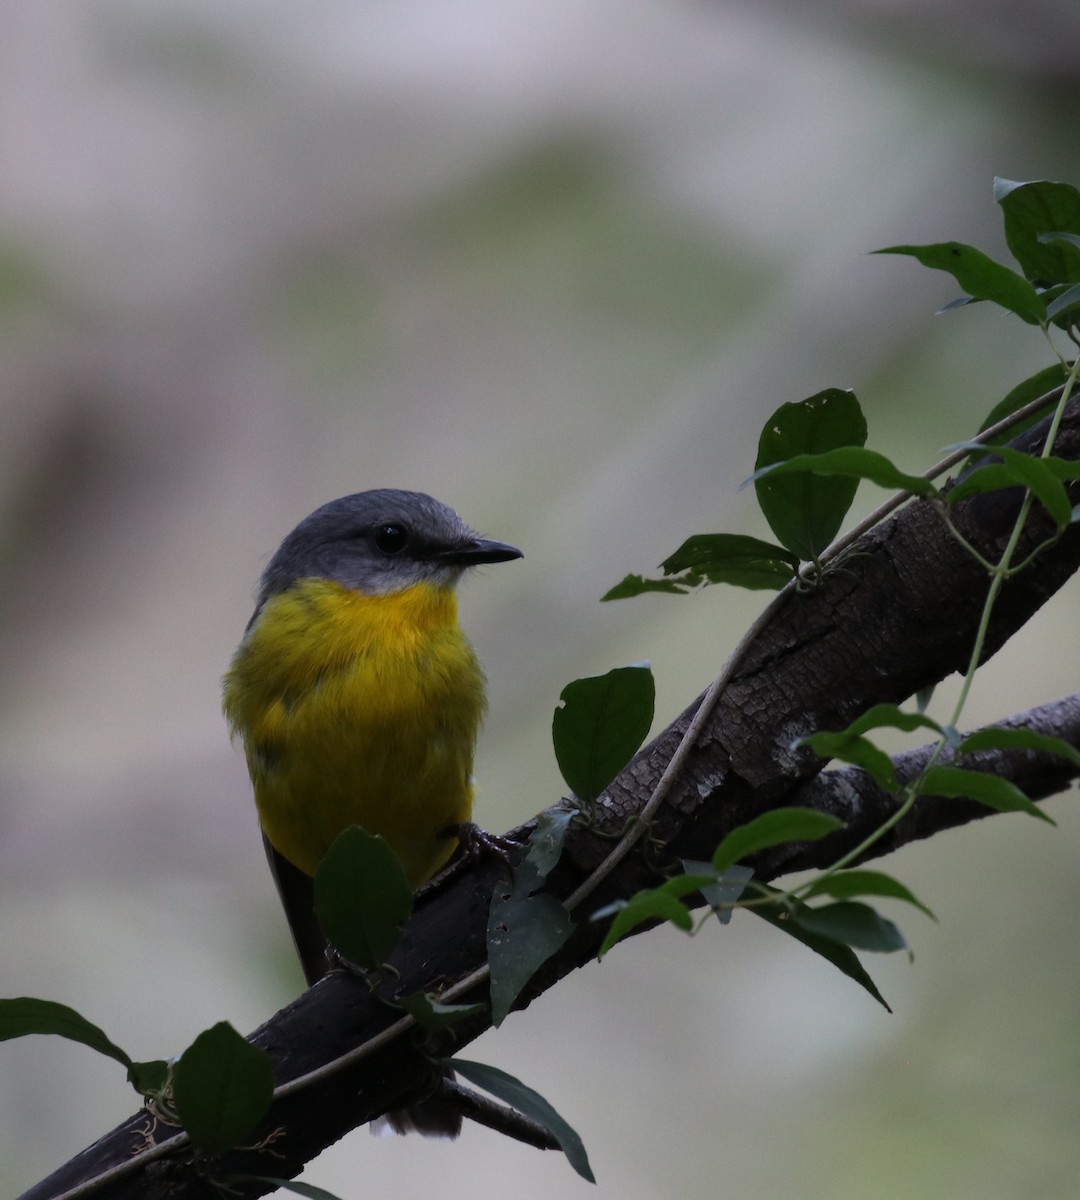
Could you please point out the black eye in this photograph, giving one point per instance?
(391, 539)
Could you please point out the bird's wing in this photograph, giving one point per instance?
(434, 1116)
(297, 894)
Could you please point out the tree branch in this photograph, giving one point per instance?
(896, 614)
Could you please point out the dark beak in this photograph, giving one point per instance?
(479, 551)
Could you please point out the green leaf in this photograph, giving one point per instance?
(431, 1014)
(635, 585)
(22, 1016)
(859, 752)
(726, 888)
(362, 897)
(705, 558)
(805, 511)
(733, 558)
(773, 829)
(546, 840)
(786, 919)
(1058, 468)
(1019, 739)
(222, 1088)
(1064, 305)
(846, 884)
(853, 924)
(1030, 389)
(601, 722)
(523, 932)
(891, 716)
(530, 1104)
(1072, 239)
(989, 477)
(1042, 476)
(149, 1078)
(661, 903)
(850, 746)
(959, 302)
(991, 790)
(980, 276)
(856, 462)
(1037, 208)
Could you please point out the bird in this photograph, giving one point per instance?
(358, 699)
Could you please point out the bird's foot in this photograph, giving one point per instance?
(477, 843)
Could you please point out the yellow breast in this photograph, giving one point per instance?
(358, 710)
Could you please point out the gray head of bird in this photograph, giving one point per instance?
(379, 542)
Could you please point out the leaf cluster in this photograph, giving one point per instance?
(812, 455)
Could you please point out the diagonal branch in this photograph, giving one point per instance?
(896, 614)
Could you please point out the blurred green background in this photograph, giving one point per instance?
(554, 263)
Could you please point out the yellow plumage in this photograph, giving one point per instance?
(358, 709)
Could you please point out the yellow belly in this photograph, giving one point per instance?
(358, 710)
